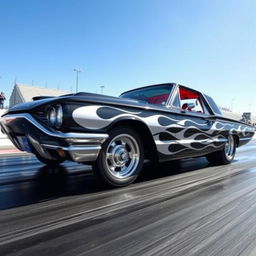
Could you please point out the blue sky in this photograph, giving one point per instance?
(122, 44)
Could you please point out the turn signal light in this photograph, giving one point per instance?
(61, 152)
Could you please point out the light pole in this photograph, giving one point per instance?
(77, 71)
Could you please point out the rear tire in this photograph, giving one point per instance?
(226, 155)
(121, 158)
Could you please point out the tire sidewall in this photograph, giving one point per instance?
(101, 168)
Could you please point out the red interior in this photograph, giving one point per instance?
(184, 94)
(187, 94)
(159, 99)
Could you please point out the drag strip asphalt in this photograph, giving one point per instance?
(186, 207)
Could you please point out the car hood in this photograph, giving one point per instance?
(81, 97)
(104, 99)
(93, 98)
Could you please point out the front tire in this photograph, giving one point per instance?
(226, 155)
(120, 159)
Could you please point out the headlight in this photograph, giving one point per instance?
(52, 114)
(59, 116)
(55, 116)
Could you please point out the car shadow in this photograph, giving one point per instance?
(51, 183)
(161, 170)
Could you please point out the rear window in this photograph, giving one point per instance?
(213, 105)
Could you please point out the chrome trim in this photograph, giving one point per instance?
(94, 136)
(171, 95)
(85, 153)
(189, 141)
(249, 138)
(174, 93)
(71, 147)
(84, 147)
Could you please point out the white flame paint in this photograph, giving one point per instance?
(87, 117)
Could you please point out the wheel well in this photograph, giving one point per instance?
(236, 137)
(145, 135)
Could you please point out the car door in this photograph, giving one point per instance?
(194, 132)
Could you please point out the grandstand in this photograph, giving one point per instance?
(24, 93)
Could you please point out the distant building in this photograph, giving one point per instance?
(247, 117)
(232, 115)
(24, 93)
(225, 109)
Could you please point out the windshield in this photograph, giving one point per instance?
(153, 95)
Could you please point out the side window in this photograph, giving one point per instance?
(176, 101)
(191, 101)
(213, 105)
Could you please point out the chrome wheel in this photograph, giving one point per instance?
(230, 148)
(226, 155)
(122, 156)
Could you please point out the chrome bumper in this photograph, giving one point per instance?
(85, 153)
(78, 147)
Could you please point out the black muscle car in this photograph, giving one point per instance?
(115, 134)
